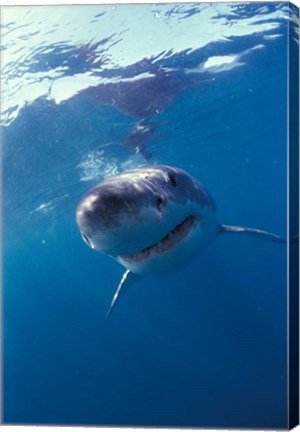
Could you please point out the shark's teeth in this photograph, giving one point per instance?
(174, 237)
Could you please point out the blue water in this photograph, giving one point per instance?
(91, 91)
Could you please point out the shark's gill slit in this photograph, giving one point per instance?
(86, 239)
(174, 237)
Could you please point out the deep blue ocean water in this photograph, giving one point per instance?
(86, 93)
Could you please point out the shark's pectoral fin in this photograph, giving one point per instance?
(251, 231)
(128, 277)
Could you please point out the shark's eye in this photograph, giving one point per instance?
(173, 179)
(159, 202)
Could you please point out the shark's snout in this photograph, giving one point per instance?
(110, 216)
(102, 208)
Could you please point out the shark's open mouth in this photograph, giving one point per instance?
(174, 237)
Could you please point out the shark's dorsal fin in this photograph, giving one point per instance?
(250, 231)
(127, 277)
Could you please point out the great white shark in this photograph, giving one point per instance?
(153, 220)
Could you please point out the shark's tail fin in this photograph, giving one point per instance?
(251, 231)
(127, 277)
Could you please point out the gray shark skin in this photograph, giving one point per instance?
(152, 220)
